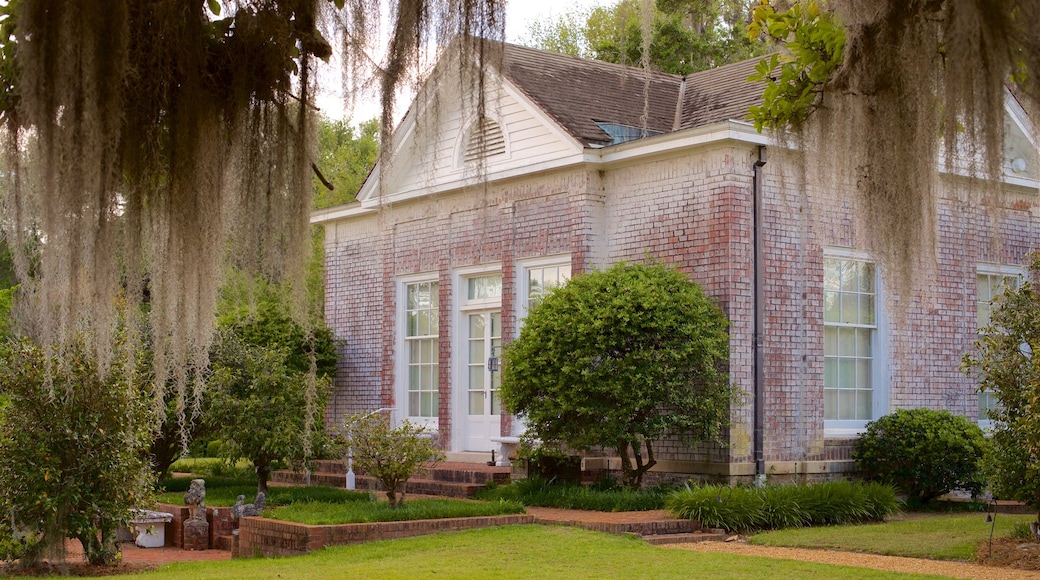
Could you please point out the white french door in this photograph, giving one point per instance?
(482, 379)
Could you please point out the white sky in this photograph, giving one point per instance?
(519, 16)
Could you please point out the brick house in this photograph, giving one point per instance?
(564, 170)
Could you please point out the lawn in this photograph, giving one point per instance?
(318, 513)
(514, 552)
(941, 537)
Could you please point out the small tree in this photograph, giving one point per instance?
(259, 404)
(620, 359)
(923, 452)
(72, 453)
(390, 454)
(1006, 361)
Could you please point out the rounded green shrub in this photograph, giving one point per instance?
(923, 452)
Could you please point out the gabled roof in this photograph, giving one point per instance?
(579, 93)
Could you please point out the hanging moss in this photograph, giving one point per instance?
(150, 144)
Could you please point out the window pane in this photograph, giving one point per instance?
(866, 277)
(496, 405)
(476, 326)
(831, 275)
(830, 341)
(414, 409)
(846, 341)
(830, 306)
(413, 296)
(866, 309)
(863, 342)
(849, 275)
(414, 377)
(476, 377)
(476, 351)
(429, 404)
(984, 291)
(414, 351)
(496, 324)
(830, 372)
(424, 323)
(864, 374)
(849, 309)
(484, 287)
(830, 404)
(476, 402)
(846, 373)
(413, 324)
(428, 380)
(846, 404)
(863, 405)
(424, 296)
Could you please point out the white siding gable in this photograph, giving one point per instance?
(431, 154)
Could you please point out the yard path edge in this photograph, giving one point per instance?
(861, 560)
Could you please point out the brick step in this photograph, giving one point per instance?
(684, 538)
(452, 472)
(364, 482)
(223, 543)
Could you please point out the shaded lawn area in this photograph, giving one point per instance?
(222, 492)
(316, 514)
(514, 552)
(940, 537)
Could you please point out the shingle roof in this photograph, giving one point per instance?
(577, 93)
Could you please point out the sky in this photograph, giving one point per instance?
(519, 16)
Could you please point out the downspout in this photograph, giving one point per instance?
(758, 303)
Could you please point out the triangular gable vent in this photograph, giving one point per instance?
(485, 139)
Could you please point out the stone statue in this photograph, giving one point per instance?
(195, 499)
(250, 509)
(196, 527)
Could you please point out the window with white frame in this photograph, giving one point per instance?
(421, 348)
(540, 277)
(991, 282)
(850, 336)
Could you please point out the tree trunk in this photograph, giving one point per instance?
(263, 471)
(633, 477)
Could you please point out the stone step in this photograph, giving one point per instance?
(452, 472)
(684, 538)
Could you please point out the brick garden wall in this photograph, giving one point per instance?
(267, 537)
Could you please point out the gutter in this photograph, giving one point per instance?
(758, 303)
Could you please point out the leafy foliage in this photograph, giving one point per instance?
(259, 403)
(924, 452)
(794, 82)
(390, 454)
(783, 506)
(345, 156)
(620, 359)
(1005, 364)
(72, 453)
(685, 37)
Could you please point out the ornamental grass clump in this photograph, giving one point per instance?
(746, 509)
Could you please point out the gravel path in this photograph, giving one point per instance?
(888, 563)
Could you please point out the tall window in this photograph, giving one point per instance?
(849, 339)
(991, 283)
(421, 333)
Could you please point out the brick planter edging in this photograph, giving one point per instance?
(267, 537)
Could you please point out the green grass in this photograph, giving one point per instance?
(222, 492)
(213, 467)
(538, 492)
(315, 513)
(941, 537)
(514, 552)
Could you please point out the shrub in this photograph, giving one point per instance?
(390, 454)
(620, 359)
(741, 509)
(923, 452)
